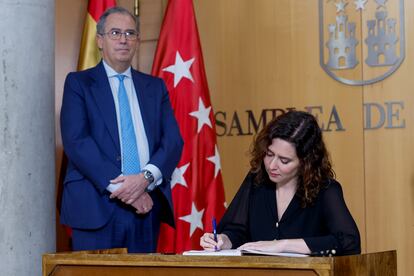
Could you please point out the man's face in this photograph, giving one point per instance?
(118, 53)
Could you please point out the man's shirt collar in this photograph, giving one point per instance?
(111, 72)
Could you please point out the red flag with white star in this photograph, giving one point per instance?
(197, 185)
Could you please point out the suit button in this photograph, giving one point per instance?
(118, 158)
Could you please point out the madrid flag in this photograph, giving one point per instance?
(196, 184)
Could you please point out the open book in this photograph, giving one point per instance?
(236, 252)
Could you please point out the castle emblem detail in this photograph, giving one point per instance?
(346, 45)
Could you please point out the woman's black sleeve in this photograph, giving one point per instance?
(343, 232)
(235, 220)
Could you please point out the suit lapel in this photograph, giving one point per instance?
(102, 94)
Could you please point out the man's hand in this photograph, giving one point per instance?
(143, 204)
(132, 187)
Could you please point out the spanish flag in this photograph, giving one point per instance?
(89, 54)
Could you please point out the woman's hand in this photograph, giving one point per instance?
(268, 246)
(277, 246)
(208, 243)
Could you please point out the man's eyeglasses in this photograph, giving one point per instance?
(116, 35)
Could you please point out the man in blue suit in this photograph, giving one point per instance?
(123, 143)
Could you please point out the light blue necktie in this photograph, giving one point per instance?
(130, 159)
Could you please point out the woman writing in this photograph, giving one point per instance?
(289, 201)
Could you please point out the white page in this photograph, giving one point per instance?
(227, 252)
(236, 252)
(283, 254)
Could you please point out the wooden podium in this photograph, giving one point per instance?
(118, 262)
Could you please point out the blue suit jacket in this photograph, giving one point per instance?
(91, 143)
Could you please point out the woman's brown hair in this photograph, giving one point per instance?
(301, 130)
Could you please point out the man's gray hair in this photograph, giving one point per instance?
(100, 27)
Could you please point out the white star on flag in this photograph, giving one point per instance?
(194, 219)
(340, 6)
(360, 4)
(216, 160)
(178, 176)
(202, 114)
(181, 69)
(381, 3)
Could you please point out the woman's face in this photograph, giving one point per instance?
(281, 162)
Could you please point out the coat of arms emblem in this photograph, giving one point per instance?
(361, 41)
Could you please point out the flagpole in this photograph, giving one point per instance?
(136, 8)
(136, 14)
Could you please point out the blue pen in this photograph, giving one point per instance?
(215, 232)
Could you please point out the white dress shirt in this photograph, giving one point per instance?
(140, 135)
